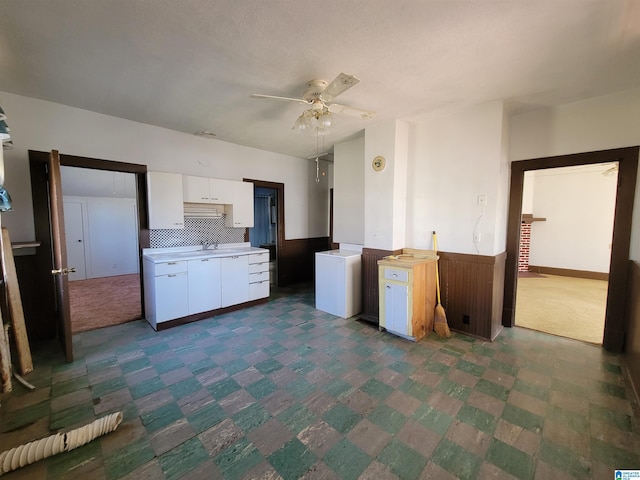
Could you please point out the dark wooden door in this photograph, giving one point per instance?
(60, 267)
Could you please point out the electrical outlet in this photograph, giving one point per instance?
(482, 200)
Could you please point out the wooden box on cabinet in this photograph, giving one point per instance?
(407, 296)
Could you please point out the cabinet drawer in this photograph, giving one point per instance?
(397, 274)
(170, 267)
(259, 257)
(259, 277)
(259, 290)
(259, 267)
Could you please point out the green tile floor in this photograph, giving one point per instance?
(283, 390)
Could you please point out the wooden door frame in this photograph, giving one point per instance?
(42, 220)
(279, 188)
(627, 158)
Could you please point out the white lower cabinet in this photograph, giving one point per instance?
(258, 275)
(166, 291)
(235, 271)
(178, 289)
(204, 285)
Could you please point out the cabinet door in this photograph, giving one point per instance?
(234, 276)
(165, 200)
(396, 298)
(240, 212)
(204, 285)
(221, 191)
(195, 189)
(171, 296)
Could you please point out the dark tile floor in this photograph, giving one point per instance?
(284, 390)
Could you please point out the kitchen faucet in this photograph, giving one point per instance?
(205, 244)
(215, 244)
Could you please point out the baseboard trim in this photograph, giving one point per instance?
(212, 313)
(566, 272)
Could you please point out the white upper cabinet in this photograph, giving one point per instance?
(165, 200)
(208, 190)
(221, 191)
(240, 212)
(195, 189)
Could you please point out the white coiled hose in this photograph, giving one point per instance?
(60, 442)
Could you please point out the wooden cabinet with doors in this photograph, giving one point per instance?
(407, 296)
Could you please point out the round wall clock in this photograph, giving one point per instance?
(378, 163)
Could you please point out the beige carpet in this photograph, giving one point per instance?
(106, 301)
(564, 306)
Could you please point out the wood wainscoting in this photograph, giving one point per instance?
(632, 344)
(472, 289)
(38, 301)
(296, 259)
(370, 293)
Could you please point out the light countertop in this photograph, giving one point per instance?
(161, 255)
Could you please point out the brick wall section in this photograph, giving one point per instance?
(525, 241)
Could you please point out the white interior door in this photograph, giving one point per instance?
(74, 228)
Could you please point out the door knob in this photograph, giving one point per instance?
(63, 271)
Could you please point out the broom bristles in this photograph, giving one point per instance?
(440, 325)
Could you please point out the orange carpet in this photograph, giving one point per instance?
(106, 301)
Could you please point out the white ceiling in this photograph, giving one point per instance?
(190, 65)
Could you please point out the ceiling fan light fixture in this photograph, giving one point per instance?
(303, 123)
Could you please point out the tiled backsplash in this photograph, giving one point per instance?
(195, 231)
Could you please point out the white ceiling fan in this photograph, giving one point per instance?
(319, 96)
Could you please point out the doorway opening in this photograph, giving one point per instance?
(268, 225)
(53, 319)
(101, 231)
(615, 324)
(264, 233)
(565, 250)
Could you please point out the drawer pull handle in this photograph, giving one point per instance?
(395, 275)
(171, 275)
(389, 286)
(171, 263)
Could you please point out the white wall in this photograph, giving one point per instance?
(454, 158)
(578, 204)
(109, 228)
(611, 121)
(450, 160)
(40, 125)
(385, 192)
(348, 192)
(86, 182)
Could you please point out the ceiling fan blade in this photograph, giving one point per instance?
(352, 112)
(339, 85)
(289, 99)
